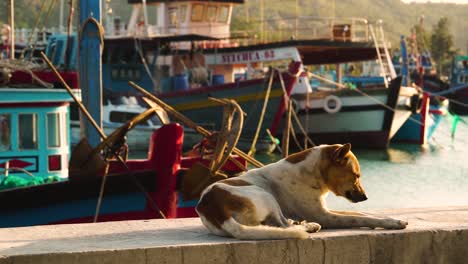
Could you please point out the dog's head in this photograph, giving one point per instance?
(341, 172)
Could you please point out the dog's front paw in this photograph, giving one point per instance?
(311, 227)
(395, 224)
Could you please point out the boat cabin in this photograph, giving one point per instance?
(210, 18)
(459, 75)
(34, 132)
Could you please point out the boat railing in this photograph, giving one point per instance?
(30, 36)
(305, 28)
(266, 31)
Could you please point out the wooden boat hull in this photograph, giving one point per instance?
(460, 107)
(363, 121)
(249, 94)
(74, 200)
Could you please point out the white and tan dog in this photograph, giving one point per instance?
(286, 199)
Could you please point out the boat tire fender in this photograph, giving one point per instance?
(332, 104)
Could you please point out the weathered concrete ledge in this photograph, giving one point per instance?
(434, 235)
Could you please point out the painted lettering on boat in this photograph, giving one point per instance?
(248, 56)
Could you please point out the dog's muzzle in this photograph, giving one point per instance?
(355, 196)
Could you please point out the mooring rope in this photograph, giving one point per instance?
(287, 130)
(294, 114)
(262, 114)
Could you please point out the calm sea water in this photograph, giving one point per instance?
(409, 176)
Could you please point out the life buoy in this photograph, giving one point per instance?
(332, 104)
(416, 103)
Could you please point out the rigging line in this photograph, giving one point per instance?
(262, 114)
(69, 31)
(139, 49)
(449, 99)
(253, 106)
(36, 24)
(150, 199)
(52, 4)
(294, 114)
(385, 105)
(296, 141)
(342, 86)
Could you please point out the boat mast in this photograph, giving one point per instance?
(90, 65)
(61, 17)
(12, 31)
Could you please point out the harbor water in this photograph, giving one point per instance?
(409, 176)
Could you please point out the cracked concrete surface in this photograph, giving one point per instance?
(434, 235)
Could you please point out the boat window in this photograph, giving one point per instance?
(74, 112)
(463, 79)
(27, 131)
(53, 130)
(223, 14)
(211, 13)
(125, 73)
(114, 73)
(197, 12)
(5, 132)
(183, 13)
(173, 19)
(63, 122)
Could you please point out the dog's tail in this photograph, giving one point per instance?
(240, 231)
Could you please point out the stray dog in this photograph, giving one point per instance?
(286, 199)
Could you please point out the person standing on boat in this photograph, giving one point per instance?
(5, 45)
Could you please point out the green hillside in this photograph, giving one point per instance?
(397, 16)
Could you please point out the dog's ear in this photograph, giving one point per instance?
(339, 154)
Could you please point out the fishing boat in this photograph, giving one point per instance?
(184, 70)
(368, 118)
(90, 183)
(34, 135)
(183, 79)
(42, 188)
(416, 67)
(459, 86)
(317, 41)
(148, 189)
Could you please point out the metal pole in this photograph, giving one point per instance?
(145, 17)
(61, 17)
(297, 21)
(90, 67)
(262, 23)
(12, 33)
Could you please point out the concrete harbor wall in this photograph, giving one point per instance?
(434, 235)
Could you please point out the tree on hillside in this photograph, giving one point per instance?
(423, 38)
(442, 48)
